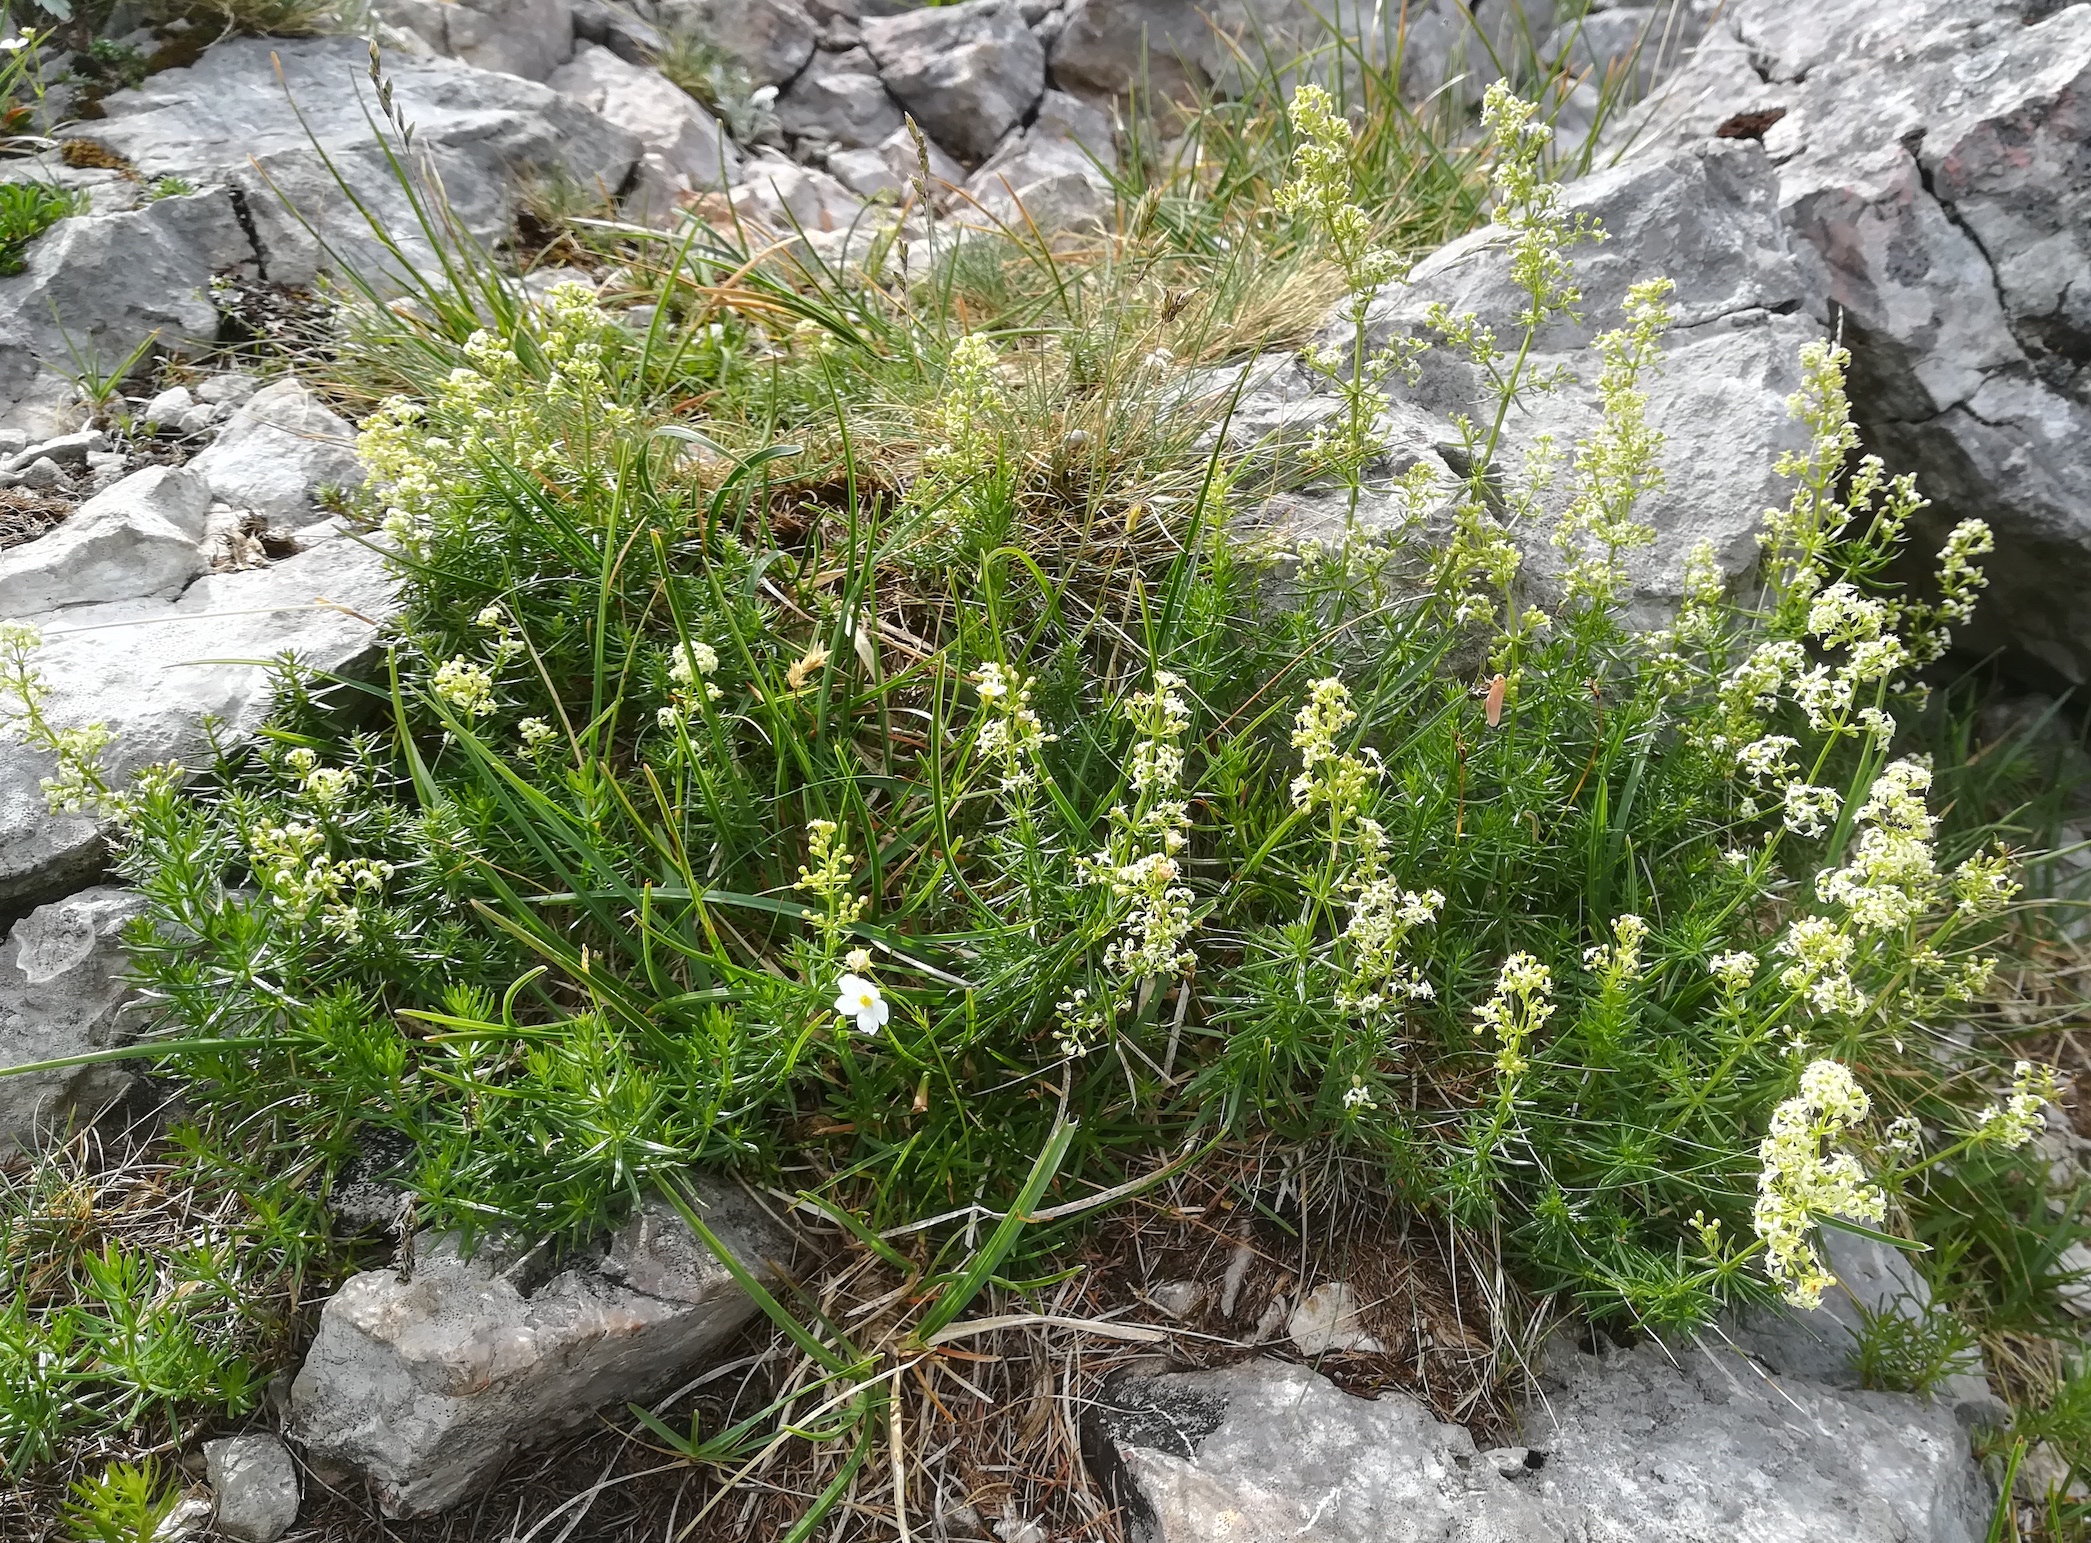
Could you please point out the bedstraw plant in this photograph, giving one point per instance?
(765, 810)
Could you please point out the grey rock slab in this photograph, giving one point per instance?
(228, 119)
(100, 286)
(167, 407)
(426, 1388)
(675, 128)
(227, 390)
(136, 539)
(1267, 1450)
(770, 39)
(783, 197)
(65, 449)
(1931, 170)
(153, 671)
(1820, 1343)
(276, 451)
(1632, 1446)
(1180, 48)
(1707, 219)
(968, 73)
(530, 38)
(63, 993)
(256, 1486)
(894, 166)
(618, 28)
(1700, 1442)
(839, 99)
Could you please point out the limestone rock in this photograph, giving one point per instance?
(1706, 218)
(1630, 1446)
(227, 120)
(893, 166)
(1052, 177)
(138, 538)
(63, 993)
(256, 1485)
(969, 73)
(1819, 1343)
(530, 38)
(770, 39)
(618, 28)
(277, 451)
(152, 670)
(839, 99)
(1931, 168)
(1327, 1321)
(100, 286)
(682, 140)
(783, 196)
(427, 1387)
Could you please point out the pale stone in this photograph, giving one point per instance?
(425, 1388)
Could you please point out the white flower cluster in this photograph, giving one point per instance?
(689, 669)
(969, 413)
(79, 786)
(2022, 1115)
(1141, 863)
(1734, 970)
(467, 687)
(1382, 914)
(1620, 462)
(290, 863)
(1798, 1180)
(1011, 734)
(1983, 885)
(827, 878)
(1522, 1004)
(495, 411)
(1821, 952)
(1327, 776)
(325, 786)
(1892, 878)
(1617, 962)
(1320, 189)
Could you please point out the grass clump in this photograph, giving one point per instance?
(734, 811)
(27, 210)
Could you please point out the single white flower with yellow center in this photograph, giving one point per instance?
(861, 999)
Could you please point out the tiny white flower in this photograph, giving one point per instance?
(861, 1000)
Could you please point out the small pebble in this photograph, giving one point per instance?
(228, 390)
(42, 474)
(1511, 1462)
(1177, 1298)
(167, 407)
(65, 447)
(257, 1487)
(197, 419)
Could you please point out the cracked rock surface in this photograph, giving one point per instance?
(228, 120)
(1649, 1445)
(1931, 168)
(426, 1382)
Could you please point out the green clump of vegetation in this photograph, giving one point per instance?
(846, 730)
(835, 834)
(27, 210)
